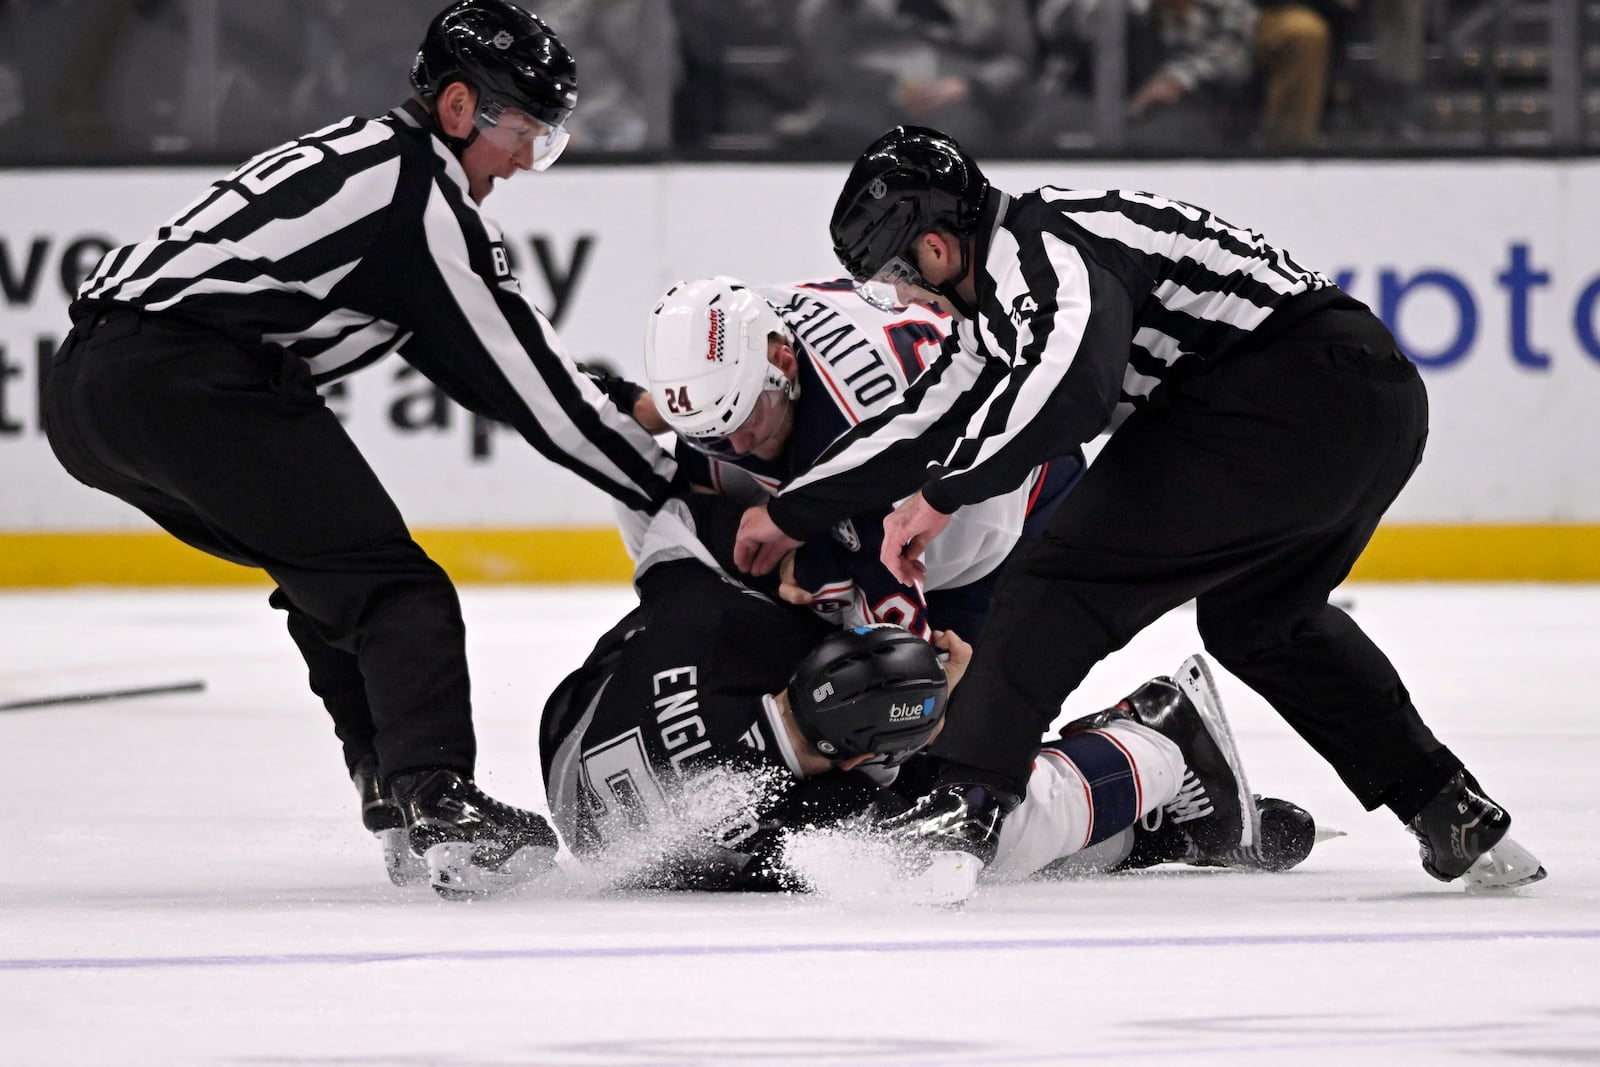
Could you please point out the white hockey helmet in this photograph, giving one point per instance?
(705, 356)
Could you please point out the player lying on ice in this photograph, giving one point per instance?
(713, 720)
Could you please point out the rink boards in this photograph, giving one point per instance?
(1480, 267)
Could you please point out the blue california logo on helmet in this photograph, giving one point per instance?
(876, 689)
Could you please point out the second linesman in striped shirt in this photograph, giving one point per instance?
(187, 388)
(1261, 421)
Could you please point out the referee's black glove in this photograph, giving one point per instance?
(619, 390)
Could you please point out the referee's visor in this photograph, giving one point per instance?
(893, 286)
(514, 132)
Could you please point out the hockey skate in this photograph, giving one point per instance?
(1285, 836)
(473, 845)
(1214, 806)
(1463, 832)
(382, 817)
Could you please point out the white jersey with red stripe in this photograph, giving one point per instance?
(861, 359)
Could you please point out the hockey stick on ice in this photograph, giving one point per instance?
(111, 694)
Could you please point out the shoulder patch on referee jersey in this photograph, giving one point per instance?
(1022, 307)
(502, 259)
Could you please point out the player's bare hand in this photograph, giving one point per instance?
(957, 651)
(760, 545)
(788, 588)
(1159, 91)
(907, 530)
(924, 97)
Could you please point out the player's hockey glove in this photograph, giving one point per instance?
(955, 816)
(620, 391)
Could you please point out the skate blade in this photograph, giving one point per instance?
(1506, 866)
(404, 866)
(455, 875)
(1326, 833)
(950, 877)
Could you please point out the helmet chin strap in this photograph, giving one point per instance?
(457, 145)
(948, 289)
(776, 379)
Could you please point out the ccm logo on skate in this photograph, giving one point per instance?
(902, 712)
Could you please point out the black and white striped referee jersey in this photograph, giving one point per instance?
(1086, 302)
(359, 240)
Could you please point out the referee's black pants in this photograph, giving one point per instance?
(236, 454)
(1250, 487)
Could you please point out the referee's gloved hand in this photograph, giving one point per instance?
(957, 816)
(622, 393)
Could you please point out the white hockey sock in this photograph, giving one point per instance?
(1085, 789)
(1156, 760)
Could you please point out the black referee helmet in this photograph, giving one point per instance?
(508, 55)
(911, 180)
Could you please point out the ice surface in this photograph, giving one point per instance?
(185, 880)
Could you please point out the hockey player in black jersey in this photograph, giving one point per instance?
(187, 388)
(758, 382)
(1259, 421)
(713, 720)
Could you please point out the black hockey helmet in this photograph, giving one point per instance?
(910, 180)
(508, 55)
(869, 689)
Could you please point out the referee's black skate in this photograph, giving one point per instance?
(1463, 832)
(382, 818)
(473, 844)
(1214, 805)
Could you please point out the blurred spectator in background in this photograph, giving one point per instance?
(1188, 67)
(87, 81)
(11, 99)
(10, 93)
(55, 54)
(335, 58)
(1400, 39)
(961, 65)
(741, 86)
(627, 53)
(1294, 51)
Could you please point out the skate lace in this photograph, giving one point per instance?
(484, 802)
(1192, 801)
(1424, 843)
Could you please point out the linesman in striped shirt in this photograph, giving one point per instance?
(1261, 421)
(187, 387)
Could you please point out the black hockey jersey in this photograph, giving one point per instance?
(641, 746)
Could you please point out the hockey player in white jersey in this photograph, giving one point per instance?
(758, 382)
(708, 686)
